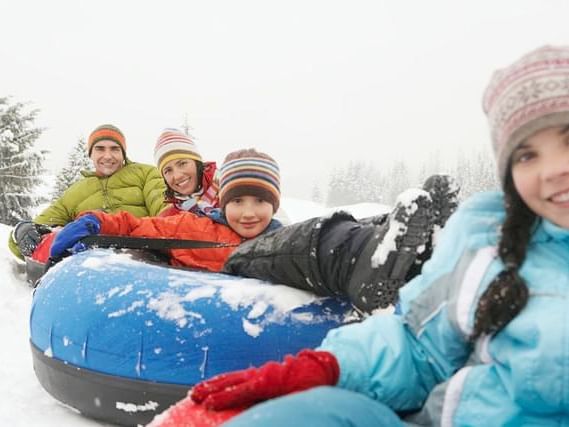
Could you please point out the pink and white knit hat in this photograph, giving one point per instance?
(174, 144)
(530, 95)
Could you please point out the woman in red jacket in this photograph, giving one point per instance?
(249, 196)
(191, 184)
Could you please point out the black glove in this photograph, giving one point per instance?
(28, 235)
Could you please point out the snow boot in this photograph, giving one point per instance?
(382, 266)
(443, 190)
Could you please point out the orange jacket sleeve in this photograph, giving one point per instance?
(185, 226)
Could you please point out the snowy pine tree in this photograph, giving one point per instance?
(21, 166)
(371, 184)
(316, 194)
(475, 172)
(77, 161)
(336, 188)
(341, 186)
(399, 181)
(357, 183)
(431, 166)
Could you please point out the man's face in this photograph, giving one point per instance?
(107, 157)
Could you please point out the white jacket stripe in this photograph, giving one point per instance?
(452, 396)
(469, 286)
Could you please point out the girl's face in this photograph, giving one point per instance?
(248, 216)
(107, 157)
(181, 175)
(540, 171)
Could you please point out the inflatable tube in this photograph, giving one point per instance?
(120, 340)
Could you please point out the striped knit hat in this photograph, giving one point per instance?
(528, 96)
(249, 173)
(173, 144)
(106, 133)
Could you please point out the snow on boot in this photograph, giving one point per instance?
(384, 261)
(443, 190)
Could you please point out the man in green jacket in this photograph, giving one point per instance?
(116, 184)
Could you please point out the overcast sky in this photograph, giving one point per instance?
(314, 83)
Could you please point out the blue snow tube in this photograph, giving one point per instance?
(121, 339)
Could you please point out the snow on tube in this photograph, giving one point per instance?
(120, 339)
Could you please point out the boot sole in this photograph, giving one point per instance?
(409, 229)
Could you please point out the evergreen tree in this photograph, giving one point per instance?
(352, 182)
(371, 184)
(431, 166)
(21, 166)
(77, 161)
(357, 183)
(336, 188)
(475, 172)
(399, 181)
(316, 194)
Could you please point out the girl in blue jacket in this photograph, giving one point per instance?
(483, 334)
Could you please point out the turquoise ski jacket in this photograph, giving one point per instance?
(421, 364)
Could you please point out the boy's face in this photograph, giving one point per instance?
(248, 216)
(107, 157)
(540, 171)
(181, 175)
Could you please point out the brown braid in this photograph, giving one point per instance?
(507, 294)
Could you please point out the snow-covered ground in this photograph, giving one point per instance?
(23, 402)
(296, 210)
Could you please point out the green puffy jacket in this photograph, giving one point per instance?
(137, 188)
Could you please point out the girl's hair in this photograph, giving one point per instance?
(170, 195)
(508, 293)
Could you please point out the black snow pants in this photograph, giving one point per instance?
(317, 255)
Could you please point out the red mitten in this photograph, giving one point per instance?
(243, 388)
(186, 413)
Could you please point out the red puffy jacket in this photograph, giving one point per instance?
(186, 225)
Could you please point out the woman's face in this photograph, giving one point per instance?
(248, 216)
(540, 171)
(181, 175)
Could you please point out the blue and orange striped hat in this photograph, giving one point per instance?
(249, 173)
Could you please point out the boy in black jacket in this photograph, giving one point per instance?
(366, 260)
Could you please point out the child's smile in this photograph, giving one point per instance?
(248, 216)
(540, 169)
